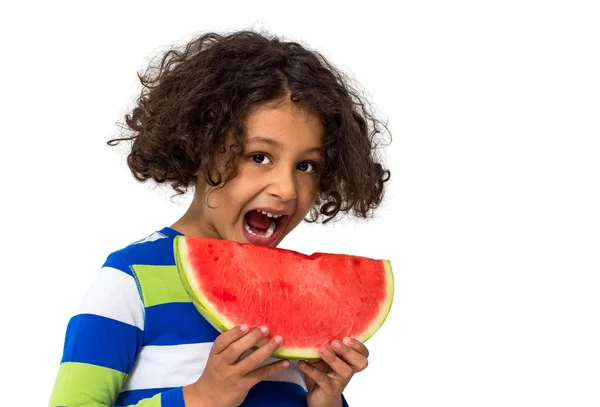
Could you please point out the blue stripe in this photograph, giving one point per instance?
(170, 395)
(157, 252)
(167, 231)
(173, 398)
(280, 394)
(118, 263)
(102, 341)
(176, 323)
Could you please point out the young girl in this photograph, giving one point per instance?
(268, 134)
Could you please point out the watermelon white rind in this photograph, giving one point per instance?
(210, 311)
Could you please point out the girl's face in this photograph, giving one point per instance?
(277, 180)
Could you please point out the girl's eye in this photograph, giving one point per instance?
(306, 167)
(260, 159)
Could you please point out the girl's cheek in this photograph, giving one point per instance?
(313, 186)
(309, 193)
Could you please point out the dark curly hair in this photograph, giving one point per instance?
(203, 92)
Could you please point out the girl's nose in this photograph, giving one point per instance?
(283, 186)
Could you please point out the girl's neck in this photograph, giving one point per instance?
(192, 223)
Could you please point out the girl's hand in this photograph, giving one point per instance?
(226, 379)
(327, 378)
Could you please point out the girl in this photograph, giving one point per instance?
(268, 133)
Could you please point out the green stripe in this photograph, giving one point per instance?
(82, 384)
(160, 284)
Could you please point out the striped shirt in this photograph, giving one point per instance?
(136, 339)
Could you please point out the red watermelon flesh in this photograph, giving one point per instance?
(308, 300)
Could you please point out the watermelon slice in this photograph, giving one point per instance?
(308, 300)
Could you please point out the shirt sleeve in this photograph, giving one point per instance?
(102, 342)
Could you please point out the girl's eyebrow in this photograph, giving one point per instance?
(275, 143)
(265, 140)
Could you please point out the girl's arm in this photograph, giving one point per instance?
(102, 342)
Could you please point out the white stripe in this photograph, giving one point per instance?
(113, 294)
(180, 365)
(292, 374)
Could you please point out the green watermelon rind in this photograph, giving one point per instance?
(386, 306)
(222, 323)
(203, 305)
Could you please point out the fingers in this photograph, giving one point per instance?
(357, 346)
(319, 364)
(355, 354)
(317, 375)
(344, 360)
(260, 355)
(263, 372)
(338, 365)
(228, 337)
(237, 347)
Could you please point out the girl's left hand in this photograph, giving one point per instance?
(327, 377)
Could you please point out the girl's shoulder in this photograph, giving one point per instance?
(155, 249)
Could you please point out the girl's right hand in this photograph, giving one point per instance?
(226, 379)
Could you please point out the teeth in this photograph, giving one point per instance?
(268, 233)
(269, 214)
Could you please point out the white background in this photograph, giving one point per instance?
(492, 218)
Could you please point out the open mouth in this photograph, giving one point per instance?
(263, 227)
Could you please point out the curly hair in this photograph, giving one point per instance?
(203, 92)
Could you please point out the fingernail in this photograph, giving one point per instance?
(347, 340)
(336, 344)
(286, 363)
(302, 363)
(264, 330)
(244, 328)
(325, 352)
(278, 339)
